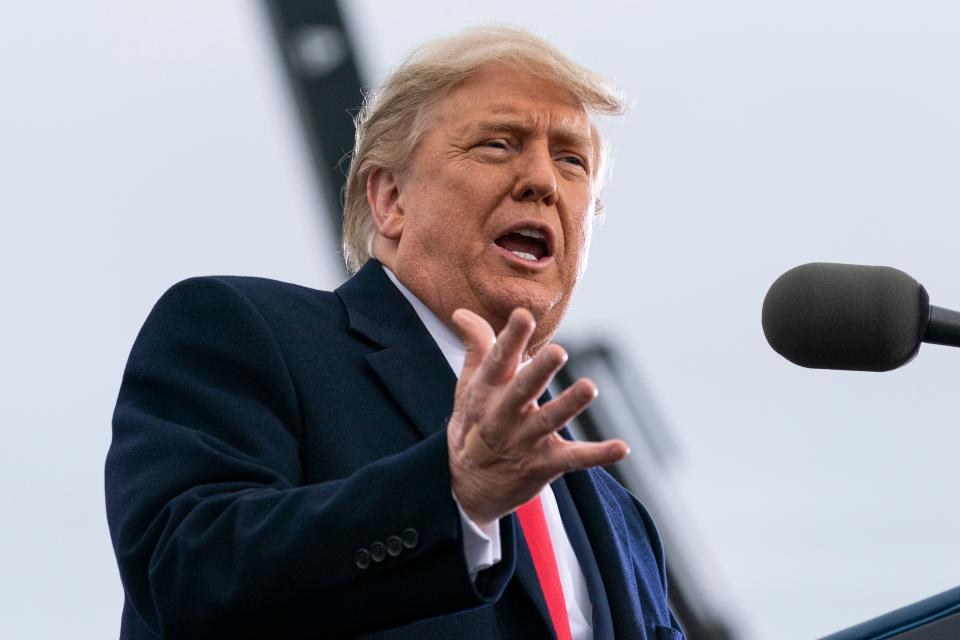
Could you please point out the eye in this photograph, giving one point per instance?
(495, 144)
(574, 160)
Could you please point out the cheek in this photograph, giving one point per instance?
(458, 191)
(579, 246)
(585, 237)
(442, 217)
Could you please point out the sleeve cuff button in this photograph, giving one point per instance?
(394, 546)
(410, 538)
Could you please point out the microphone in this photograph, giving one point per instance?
(843, 316)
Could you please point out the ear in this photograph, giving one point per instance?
(383, 196)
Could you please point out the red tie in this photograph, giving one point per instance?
(535, 530)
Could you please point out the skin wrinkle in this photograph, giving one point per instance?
(436, 229)
(566, 134)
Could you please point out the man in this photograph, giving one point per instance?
(289, 463)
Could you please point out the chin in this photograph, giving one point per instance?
(505, 296)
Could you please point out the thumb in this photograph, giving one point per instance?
(477, 336)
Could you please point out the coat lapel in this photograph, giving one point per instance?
(613, 560)
(423, 386)
(588, 498)
(526, 574)
(577, 534)
(409, 363)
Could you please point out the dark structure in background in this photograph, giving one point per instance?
(322, 71)
(318, 56)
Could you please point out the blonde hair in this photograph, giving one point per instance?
(395, 117)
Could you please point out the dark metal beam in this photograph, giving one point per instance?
(318, 55)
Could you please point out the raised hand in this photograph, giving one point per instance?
(503, 447)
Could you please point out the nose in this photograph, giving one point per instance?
(537, 178)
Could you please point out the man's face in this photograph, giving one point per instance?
(498, 202)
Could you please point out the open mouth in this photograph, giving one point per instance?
(527, 243)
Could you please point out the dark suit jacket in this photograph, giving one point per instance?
(279, 470)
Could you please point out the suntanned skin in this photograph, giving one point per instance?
(504, 147)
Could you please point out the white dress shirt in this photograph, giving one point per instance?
(481, 545)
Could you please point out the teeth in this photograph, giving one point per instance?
(525, 255)
(531, 233)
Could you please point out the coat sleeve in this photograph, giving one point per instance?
(214, 531)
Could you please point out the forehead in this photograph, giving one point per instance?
(499, 96)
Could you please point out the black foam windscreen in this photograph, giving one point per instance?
(843, 316)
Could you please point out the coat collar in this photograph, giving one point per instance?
(409, 363)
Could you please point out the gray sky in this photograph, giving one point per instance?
(144, 143)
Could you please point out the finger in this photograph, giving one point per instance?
(501, 363)
(532, 381)
(576, 456)
(477, 336)
(562, 409)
